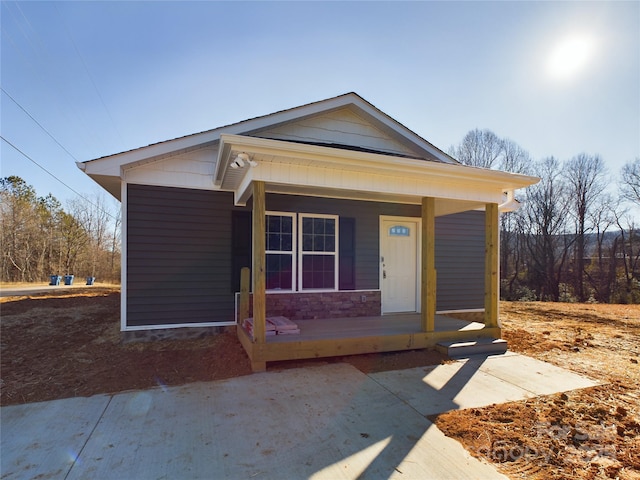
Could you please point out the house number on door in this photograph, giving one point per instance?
(399, 231)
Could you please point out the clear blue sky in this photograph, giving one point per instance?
(104, 77)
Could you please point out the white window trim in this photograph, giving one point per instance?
(335, 253)
(293, 252)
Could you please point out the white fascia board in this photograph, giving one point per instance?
(355, 160)
(340, 182)
(123, 256)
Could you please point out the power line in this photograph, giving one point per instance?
(48, 172)
(39, 124)
(86, 69)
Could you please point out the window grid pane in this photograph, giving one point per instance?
(279, 252)
(278, 271)
(318, 271)
(318, 234)
(279, 233)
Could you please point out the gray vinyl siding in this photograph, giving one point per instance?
(460, 261)
(179, 251)
(178, 256)
(459, 245)
(367, 226)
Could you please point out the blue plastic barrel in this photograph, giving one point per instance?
(55, 280)
(68, 279)
(90, 280)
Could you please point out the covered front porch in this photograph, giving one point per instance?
(253, 167)
(329, 337)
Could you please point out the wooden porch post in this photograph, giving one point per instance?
(259, 280)
(428, 287)
(491, 265)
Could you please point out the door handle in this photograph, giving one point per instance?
(384, 274)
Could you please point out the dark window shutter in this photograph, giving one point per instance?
(347, 254)
(240, 246)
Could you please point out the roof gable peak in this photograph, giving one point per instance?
(255, 125)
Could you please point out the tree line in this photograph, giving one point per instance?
(40, 238)
(573, 238)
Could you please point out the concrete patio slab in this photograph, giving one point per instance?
(321, 422)
(478, 381)
(328, 421)
(535, 376)
(44, 440)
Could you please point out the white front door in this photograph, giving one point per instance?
(399, 264)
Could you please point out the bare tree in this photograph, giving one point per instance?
(48, 215)
(95, 221)
(585, 175)
(115, 239)
(479, 148)
(39, 238)
(514, 158)
(512, 249)
(19, 230)
(601, 271)
(629, 252)
(547, 240)
(631, 181)
(74, 240)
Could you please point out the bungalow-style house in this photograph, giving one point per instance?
(352, 226)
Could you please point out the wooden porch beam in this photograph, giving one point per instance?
(491, 265)
(428, 277)
(259, 280)
(332, 347)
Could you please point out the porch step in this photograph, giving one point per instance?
(484, 346)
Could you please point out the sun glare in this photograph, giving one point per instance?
(569, 57)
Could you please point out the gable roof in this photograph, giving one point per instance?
(345, 137)
(265, 122)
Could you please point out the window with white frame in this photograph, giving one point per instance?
(280, 230)
(301, 251)
(318, 254)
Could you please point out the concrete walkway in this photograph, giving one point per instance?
(329, 421)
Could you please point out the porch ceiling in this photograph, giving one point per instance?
(312, 170)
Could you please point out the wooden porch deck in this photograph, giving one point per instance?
(358, 335)
(355, 327)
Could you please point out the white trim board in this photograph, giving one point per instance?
(124, 241)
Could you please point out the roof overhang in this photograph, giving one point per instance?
(107, 171)
(303, 169)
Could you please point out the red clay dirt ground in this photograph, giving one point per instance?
(65, 344)
(585, 434)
